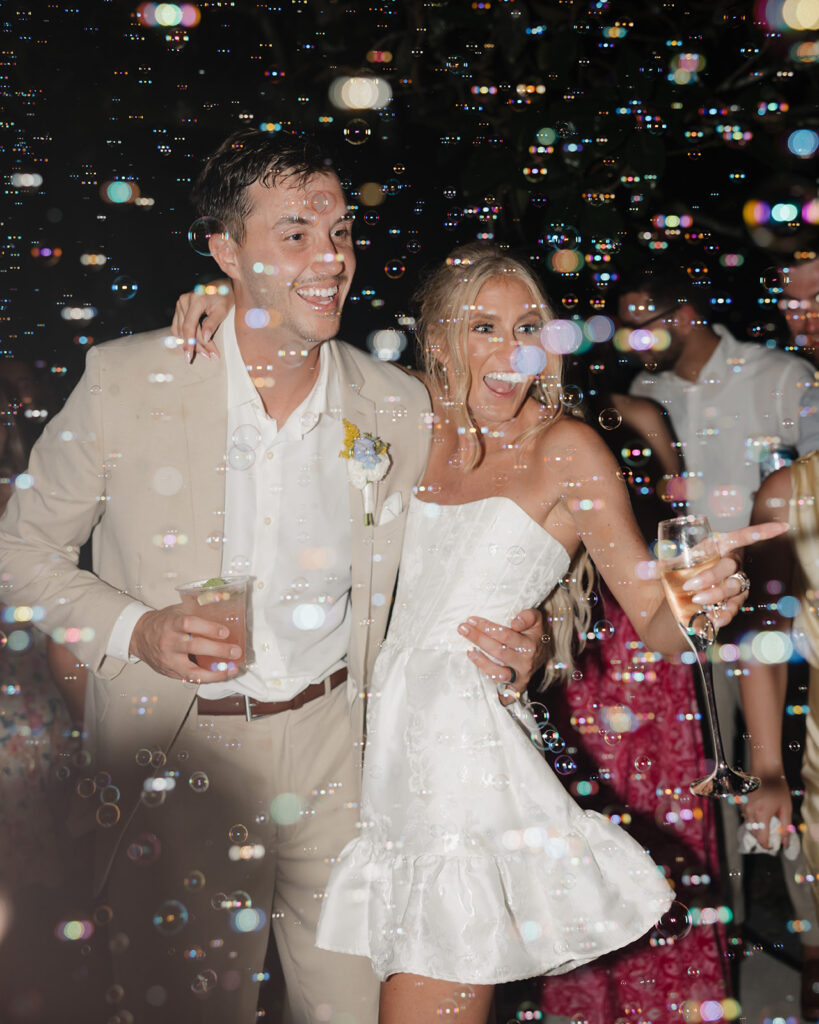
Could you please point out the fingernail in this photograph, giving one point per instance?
(701, 599)
(692, 584)
(223, 631)
(463, 629)
(189, 356)
(235, 652)
(472, 622)
(517, 621)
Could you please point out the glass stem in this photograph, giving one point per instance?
(711, 706)
(700, 648)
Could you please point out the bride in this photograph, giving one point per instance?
(474, 866)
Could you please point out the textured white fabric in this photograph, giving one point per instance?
(296, 548)
(474, 864)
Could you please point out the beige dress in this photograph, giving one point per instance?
(804, 521)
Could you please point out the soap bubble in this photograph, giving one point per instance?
(171, 917)
(201, 232)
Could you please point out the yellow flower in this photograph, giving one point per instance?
(351, 435)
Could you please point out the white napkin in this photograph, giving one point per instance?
(748, 843)
(390, 509)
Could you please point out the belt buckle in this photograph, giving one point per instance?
(249, 715)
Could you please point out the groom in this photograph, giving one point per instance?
(221, 797)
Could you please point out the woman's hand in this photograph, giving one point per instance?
(198, 314)
(508, 654)
(723, 587)
(772, 799)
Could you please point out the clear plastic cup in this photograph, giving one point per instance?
(223, 601)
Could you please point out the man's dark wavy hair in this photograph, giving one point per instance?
(245, 157)
(670, 285)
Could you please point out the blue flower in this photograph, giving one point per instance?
(364, 452)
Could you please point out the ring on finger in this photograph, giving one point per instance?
(512, 677)
(743, 579)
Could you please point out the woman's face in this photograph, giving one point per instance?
(503, 349)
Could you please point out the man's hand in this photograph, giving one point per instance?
(772, 799)
(163, 639)
(508, 654)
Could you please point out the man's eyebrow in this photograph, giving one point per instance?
(296, 219)
(291, 219)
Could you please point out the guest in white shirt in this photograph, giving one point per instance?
(722, 395)
(736, 408)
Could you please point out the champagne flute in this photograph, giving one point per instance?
(686, 547)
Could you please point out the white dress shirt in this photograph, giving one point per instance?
(744, 391)
(287, 525)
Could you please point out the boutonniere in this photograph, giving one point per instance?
(367, 462)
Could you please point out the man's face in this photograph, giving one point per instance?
(800, 304)
(653, 329)
(292, 271)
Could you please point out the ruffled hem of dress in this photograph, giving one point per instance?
(502, 894)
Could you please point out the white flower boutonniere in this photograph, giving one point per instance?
(367, 462)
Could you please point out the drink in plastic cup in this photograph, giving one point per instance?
(223, 601)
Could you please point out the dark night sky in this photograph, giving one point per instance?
(93, 94)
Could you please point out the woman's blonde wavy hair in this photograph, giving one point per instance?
(446, 299)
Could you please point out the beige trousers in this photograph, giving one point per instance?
(244, 842)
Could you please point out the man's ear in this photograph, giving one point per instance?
(224, 250)
(686, 320)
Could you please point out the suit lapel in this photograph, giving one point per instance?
(359, 410)
(204, 413)
(356, 408)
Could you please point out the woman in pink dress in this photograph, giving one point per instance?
(635, 723)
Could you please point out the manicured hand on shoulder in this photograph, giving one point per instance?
(198, 314)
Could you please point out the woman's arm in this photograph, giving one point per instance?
(762, 687)
(595, 507)
(650, 421)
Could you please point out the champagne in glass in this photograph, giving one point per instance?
(685, 548)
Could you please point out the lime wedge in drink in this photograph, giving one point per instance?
(210, 592)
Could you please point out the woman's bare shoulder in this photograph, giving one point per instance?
(570, 440)
(569, 431)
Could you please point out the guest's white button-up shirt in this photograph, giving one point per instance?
(744, 391)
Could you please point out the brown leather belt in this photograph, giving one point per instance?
(252, 708)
